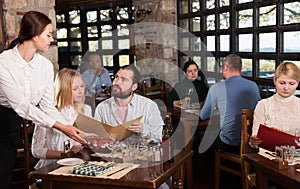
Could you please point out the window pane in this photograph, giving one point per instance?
(211, 63)
(291, 41)
(245, 42)
(291, 13)
(76, 46)
(75, 32)
(62, 33)
(211, 43)
(123, 30)
(196, 5)
(108, 60)
(92, 31)
(123, 44)
(266, 68)
(224, 42)
(76, 60)
(210, 22)
(210, 4)
(123, 14)
(184, 6)
(196, 24)
(185, 43)
(224, 20)
(245, 18)
(224, 3)
(185, 58)
(107, 44)
(267, 15)
(197, 59)
(184, 23)
(74, 17)
(247, 67)
(244, 1)
(62, 44)
(104, 15)
(93, 45)
(60, 18)
(91, 16)
(106, 30)
(196, 43)
(267, 42)
(124, 60)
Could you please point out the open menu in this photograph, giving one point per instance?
(92, 125)
(273, 137)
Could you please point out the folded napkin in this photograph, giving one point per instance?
(271, 155)
(266, 153)
(111, 174)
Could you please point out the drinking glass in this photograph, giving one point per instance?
(103, 86)
(297, 137)
(113, 137)
(188, 97)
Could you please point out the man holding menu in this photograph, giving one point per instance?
(125, 105)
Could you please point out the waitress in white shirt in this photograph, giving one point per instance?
(26, 81)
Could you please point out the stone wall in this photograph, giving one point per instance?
(155, 38)
(13, 12)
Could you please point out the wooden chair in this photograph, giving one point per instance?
(247, 121)
(24, 159)
(157, 91)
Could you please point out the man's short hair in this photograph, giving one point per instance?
(234, 62)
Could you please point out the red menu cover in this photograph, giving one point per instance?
(273, 137)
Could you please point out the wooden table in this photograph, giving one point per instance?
(190, 122)
(288, 178)
(150, 177)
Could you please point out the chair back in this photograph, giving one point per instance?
(247, 122)
(154, 92)
(30, 161)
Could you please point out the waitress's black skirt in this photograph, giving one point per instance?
(10, 129)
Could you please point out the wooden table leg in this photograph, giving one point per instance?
(261, 179)
(179, 178)
(188, 147)
(47, 185)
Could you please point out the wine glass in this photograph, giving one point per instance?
(188, 97)
(297, 137)
(112, 145)
(103, 86)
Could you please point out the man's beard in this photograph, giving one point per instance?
(121, 94)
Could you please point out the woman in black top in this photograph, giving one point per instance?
(188, 86)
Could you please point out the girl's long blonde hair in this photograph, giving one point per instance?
(63, 90)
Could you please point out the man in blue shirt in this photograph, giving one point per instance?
(229, 97)
(96, 75)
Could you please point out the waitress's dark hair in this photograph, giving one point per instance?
(32, 24)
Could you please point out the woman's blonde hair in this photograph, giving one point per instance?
(63, 89)
(289, 69)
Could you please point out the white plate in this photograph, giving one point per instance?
(70, 161)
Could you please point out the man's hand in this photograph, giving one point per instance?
(136, 127)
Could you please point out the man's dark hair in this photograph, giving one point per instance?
(136, 73)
